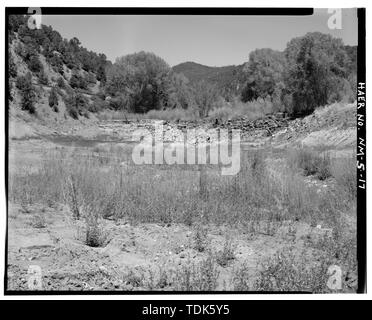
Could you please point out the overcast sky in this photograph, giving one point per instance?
(209, 40)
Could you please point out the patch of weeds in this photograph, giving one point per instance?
(189, 213)
(257, 164)
(291, 232)
(135, 279)
(163, 279)
(312, 162)
(38, 221)
(341, 249)
(323, 167)
(201, 241)
(201, 276)
(287, 272)
(344, 171)
(240, 278)
(203, 183)
(72, 197)
(224, 256)
(270, 227)
(157, 279)
(25, 208)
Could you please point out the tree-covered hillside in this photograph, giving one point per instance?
(228, 79)
(44, 68)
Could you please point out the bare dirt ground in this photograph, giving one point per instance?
(153, 256)
(131, 253)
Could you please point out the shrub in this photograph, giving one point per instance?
(312, 162)
(95, 236)
(205, 96)
(73, 112)
(24, 84)
(97, 105)
(61, 83)
(90, 78)
(43, 79)
(34, 64)
(240, 278)
(56, 63)
(287, 272)
(53, 98)
(201, 241)
(38, 222)
(77, 104)
(120, 102)
(12, 66)
(78, 82)
(197, 276)
(323, 167)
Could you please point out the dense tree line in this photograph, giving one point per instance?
(142, 81)
(57, 50)
(226, 80)
(313, 70)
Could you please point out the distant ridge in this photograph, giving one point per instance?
(228, 79)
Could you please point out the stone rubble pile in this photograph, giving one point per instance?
(175, 131)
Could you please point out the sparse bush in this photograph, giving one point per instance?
(135, 279)
(201, 241)
(34, 64)
(312, 162)
(323, 167)
(240, 278)
(73, 112)
(95, 236)
(226, 254)
(200, 276)
(38, 221)
(23, 82)
(98, 105)
(205, 96)
(72, 197)
(340, 248)
(43, 79)
(287, 272)
(90, 78)
(257, 163)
